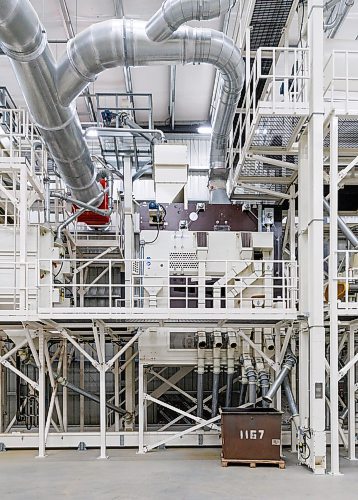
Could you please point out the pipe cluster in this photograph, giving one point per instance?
(50, 88)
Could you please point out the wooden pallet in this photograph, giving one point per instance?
(253, 463)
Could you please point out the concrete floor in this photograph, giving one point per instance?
(190, 474)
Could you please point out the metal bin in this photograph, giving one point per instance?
(251, 434)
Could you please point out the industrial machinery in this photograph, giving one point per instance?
(130, 315)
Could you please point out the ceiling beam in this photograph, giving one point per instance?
(66, 18)
(172, 92)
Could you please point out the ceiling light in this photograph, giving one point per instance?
(205, 130)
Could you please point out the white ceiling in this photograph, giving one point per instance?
(194, 85)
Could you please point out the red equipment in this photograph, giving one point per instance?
(91, 218)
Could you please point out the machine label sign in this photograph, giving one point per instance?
(252, 434)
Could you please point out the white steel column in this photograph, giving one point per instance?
(333, 312)
(141, 403)
(42, 388)
(352, 397)
(303, 256)
(116, 391)
(64, 389)
(311, 253)
(82, 386)
(2, 391)
(23, 237)
(128, 228)
(102, 388)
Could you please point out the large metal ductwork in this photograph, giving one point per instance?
(24, 40)
(50, 89)
(162, 26)
(126, 43)
(174, 13)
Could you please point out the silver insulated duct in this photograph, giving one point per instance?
(162, 26)
(126, 43)
(174, 13)
(50, 89)
(23, 39)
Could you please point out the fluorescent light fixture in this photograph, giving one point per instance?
(205, 130)
(91, 132)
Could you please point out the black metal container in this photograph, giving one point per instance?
(251, 434)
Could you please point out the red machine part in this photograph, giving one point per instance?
(91, 218)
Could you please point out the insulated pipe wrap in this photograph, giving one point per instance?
(23, 39)
(21, 32)
(125, 43)
(174, 13)
(50, 89)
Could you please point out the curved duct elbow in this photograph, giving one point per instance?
(174, 13)
(101, 46)
(50, 89)
(24, 40)
(163, 25)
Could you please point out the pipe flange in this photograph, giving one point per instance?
(27, 57)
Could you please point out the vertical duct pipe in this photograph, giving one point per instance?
(201, 345)
(252, 384)
(243, 389)
(163, 25)
(264, 381)
(217, 344)
(231, 346)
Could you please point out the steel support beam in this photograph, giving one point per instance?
(333, 297)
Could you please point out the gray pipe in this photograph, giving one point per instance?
(337, 22)
(344, 414)
(65, 383)
(291, 401)
(252, 379)
(123, 42)
(243, 392)
(229, 385)
(174, 13)
(126, 120)
(288, 364)
(24, 41)
(86, 206)
(76, 214)
(215, 401)
(200, 395)
(264, 381)
(342, 226)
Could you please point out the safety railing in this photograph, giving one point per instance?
(341, 80)
(19, 138)
(347, 280)
(18, 286)
(278, 84)
(137, 286)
